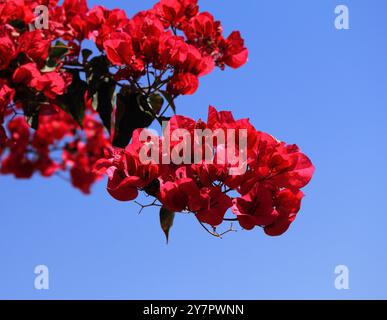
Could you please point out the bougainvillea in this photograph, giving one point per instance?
(266, 194)
(78, 85)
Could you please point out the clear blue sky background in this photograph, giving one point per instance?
(306, 83)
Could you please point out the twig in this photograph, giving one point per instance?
(227, 231)
(143, 206)
(59, 175)
(216, 234)
(228, 190)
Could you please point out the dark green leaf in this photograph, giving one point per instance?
(156, 101)
(101, 88)
(31, 105)
(73, 100)
(50, 67)
(33, 120)
(86, 53)
(103, 102)
(131, 114)
(56, 53)
(58, 50)
(51, 63)
(166, 221)
(18, 24)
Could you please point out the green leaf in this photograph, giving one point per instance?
(48, 68)
(33, 120)
(73, 100)
(103, 101)
(101, 88)
(18, 24)
(166, 221)
(131, 114)
(169, 99)
(86, 53)
(156, 101)
(31, 105)
(59, 50)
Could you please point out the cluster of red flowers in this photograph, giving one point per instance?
(58, 145)
(23, 55)
(172, 43)
(58, 110)
(28, 92)
(268, 193)
(173, 37)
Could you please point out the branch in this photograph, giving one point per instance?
(216, 234)
(143, 206)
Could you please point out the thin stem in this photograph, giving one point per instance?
(209, 231)
(216, 234)
(59, 175)
(165, 110)
(227, 231)
(228, 190)
(143, 206)
(148, 78)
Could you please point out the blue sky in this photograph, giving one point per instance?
(305, 83)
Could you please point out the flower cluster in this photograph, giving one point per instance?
(174, 38)
(57, 99)
(32, 77)
(266, 194)
(66, 108)
(57, 145)
(26, 80)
